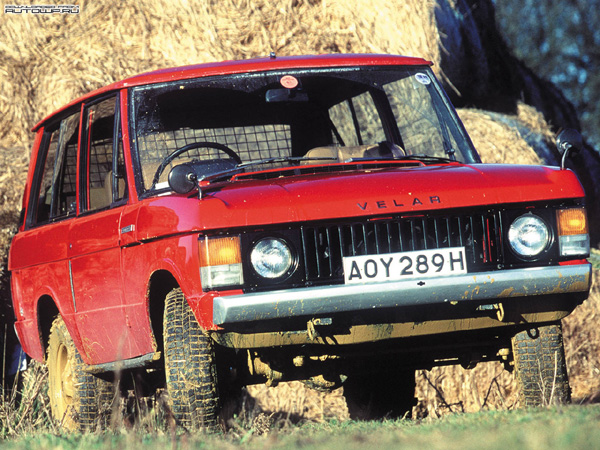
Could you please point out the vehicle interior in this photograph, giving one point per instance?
(323, 119)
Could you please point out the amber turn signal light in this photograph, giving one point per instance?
(573, 237)
(572, 221)
(220, 262)
(218, 251)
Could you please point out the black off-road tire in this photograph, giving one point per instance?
(190, 369)
(388, 395)
(79, 400)
(540, 366)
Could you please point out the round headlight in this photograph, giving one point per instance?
(271, 258)
(528, 235)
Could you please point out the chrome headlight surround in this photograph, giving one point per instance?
(272, 258)
(529, 236)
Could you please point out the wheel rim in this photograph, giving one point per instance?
(62, 382)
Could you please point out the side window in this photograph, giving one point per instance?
(65, 172)
(54, 196)
(415, 112)
(41, 211)
(102, 174)
(357, 120)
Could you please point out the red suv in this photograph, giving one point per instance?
(321, 218)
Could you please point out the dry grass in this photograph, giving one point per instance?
(50, 60)
(300, 402)
(498, 142)
(582, 346)
(25, 407)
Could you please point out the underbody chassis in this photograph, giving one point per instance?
(462, 319)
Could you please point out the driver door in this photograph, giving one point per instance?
(94, 240)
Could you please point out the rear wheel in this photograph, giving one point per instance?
(540, 366)
(388, 394)
(189, 366)
(79, 400)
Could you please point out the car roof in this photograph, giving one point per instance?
(243, 66)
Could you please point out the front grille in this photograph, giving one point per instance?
(324, 245)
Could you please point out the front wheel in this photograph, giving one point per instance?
(540, 366)
(79, 400)
(190, 369)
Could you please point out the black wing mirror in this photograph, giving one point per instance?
(568, 140)
(183, 178)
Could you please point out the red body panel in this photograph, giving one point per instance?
(381, 191)
(40, 267)
(95, 258)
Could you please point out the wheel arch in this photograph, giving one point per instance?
(46, 313)
(160, 284)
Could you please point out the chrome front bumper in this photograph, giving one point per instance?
(482, 288)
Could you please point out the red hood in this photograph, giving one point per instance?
(357, 193)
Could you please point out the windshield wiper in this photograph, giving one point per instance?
(295, 159)
(291, 159)
(241, 167)
(427, 158)
(422, 158)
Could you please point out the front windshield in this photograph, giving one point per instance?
(321, 115)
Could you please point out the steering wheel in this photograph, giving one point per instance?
(187, 148)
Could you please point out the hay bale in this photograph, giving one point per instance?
(60, 57)
(501, 138)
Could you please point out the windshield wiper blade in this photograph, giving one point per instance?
(279, 159)
(422, 158)
(427, 158)
(241, 167)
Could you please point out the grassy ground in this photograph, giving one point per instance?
(573, 427)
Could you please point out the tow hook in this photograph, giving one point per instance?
(499, 307)
(317, 322)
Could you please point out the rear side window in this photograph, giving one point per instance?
(54, 195)
(44, 198)
(65, 172)
(102, 181)
(102, 173)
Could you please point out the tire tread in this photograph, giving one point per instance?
(189, 366)
(540, 365)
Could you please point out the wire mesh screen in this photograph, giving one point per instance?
(100, 162)
(66, 168)
(70, 174)
(249, 142)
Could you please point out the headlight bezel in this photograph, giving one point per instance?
(277, 243)
(527, 219)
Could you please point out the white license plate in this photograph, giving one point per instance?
(405, 265)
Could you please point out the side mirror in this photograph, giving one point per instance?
(568, 140)
(182, 178)
(185, 177)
